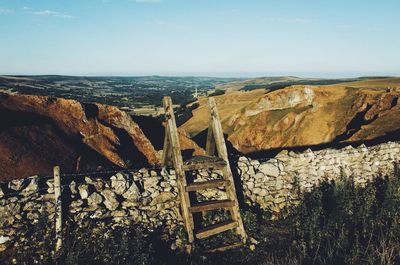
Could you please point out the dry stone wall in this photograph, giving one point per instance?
(149, 197)
(279, 182)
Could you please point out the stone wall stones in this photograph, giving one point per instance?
(279, 182)
(149, 197)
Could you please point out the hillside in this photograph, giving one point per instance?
(278, 82)
(254, 83)
(39, 132)
(305, 115)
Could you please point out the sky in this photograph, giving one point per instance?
(200, 37)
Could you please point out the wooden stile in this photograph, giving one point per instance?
(215, 144)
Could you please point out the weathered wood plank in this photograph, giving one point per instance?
(203, 158)
(203, 162)
(215, 183)
(58, 211)
(167, 149)
(227, 173)
(215, 229)
(210, 144)
(178, 164)
(211, 205)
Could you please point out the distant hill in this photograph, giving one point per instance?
(304, 115)
(278, 82)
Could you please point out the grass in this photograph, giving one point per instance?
(337, 223)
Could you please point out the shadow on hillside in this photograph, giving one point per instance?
(127, 148)
(37, 143)
(152, 129)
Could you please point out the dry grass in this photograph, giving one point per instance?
(392, 82)
(228, 105)
(251, 127)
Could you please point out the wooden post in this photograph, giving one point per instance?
(210, 145)
(173, 143)
(58, 212)
(227, 173)
(166, 155)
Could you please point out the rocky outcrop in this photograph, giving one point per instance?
(94, 123)
(104, 130)
(308, 116)
(39, 132)
(305, 115)
(283, 99)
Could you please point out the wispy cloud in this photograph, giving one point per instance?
(170, 25)
(147, 1)
(50, 13)
(5, 10)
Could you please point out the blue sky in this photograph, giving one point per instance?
(204, 37)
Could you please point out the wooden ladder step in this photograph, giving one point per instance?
(211, 205)
(216, 229)
(203, 162)
(215, 183)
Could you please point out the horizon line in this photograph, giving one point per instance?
(322, 75)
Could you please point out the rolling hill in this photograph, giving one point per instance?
(305, 115)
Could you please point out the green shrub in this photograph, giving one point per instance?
(114, 246)
(339, 223)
